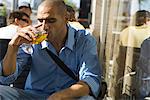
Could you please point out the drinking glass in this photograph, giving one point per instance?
(40, 36)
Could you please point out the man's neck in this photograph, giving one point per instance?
(59, 41)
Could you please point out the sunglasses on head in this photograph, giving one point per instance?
(25, 20)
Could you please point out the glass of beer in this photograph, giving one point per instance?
(40, 36)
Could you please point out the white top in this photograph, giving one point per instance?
(133, 36)
(76, 25)
(8, 31)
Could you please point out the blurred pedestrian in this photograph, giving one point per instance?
(133, 36)
(26, 8)
(72, 19)
(16, 19)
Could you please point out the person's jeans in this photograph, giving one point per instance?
(9, 93)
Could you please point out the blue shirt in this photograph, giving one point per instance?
(45, 77)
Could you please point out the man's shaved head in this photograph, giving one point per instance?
(58, 4)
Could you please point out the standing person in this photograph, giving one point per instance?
(133, 36)
(72, 19)
(143, 72)
(26, 8)
(77, 49)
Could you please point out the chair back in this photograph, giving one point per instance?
(3, 47)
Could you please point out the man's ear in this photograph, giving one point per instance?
(67, 16)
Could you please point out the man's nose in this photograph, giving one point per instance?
(44, 25)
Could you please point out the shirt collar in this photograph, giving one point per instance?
(69, 42)
(44, 44)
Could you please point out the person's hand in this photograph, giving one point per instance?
(58, 96)
(23, 35)
(55, 96)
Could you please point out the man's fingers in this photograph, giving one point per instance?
(26, 36)
(27, 33)
(37, 26)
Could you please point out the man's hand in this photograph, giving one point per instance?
(23, 35)
(55, 96)
(58, 96)
(75, 91)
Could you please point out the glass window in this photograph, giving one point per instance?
(126, 32)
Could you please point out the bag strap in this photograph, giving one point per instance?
(64, 67)
(61, 64)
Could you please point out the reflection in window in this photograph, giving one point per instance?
(127, 37)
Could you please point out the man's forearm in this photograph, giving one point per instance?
(77, 90)
(9, 62)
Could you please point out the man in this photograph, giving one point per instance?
(26, 8)
(77, 49)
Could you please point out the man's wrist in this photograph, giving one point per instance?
(64, 94)
(13, 47)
